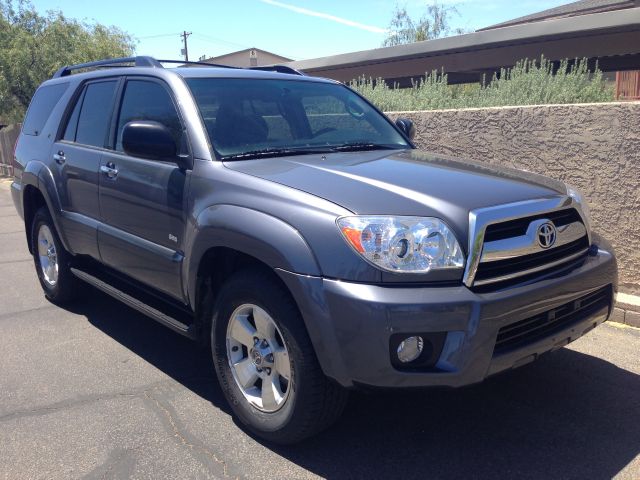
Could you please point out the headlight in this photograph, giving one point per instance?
(580, 200)
(403, 244)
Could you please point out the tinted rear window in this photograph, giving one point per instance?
(41, 107)
(95, 114)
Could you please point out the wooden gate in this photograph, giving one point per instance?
(628, 85)
(8, 137)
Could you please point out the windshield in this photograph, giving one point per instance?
(254, 118)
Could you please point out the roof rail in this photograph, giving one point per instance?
(279, 69)
(183, 62)
(143, 61)
(140, 61)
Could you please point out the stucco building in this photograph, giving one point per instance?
(249, 57)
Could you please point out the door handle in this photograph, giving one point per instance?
(109, 169)
(59, 157)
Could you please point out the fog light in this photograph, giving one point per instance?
(410, 349)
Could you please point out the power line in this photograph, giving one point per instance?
(210, 39)
(201, 36)
(158, 36)
(219, 41)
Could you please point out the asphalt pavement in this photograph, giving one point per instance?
(97, 390)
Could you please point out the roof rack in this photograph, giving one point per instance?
(183, 62)
(139, 61)
(144, 61)
(279, 69)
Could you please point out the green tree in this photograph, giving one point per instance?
(435, 23)
(34, 46)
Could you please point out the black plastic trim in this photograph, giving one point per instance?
(534, 328)
(176, 317)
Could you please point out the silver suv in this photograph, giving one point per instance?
(288, 224)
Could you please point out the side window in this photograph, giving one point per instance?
(41, 107)
(89, 121)
(144, 100)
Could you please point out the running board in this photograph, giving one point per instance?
(148, 310)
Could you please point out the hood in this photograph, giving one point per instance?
(404, 182)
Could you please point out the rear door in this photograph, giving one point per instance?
(143, 202)
(77, 157)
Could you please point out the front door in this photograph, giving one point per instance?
(143, 202)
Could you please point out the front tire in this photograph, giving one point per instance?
(266, 364)
(51, 260)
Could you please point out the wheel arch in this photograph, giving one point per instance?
(267, 239)
(229, 238)
(216, 267)
(32, 201)
(39, 190)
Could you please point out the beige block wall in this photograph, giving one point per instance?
(595, 147)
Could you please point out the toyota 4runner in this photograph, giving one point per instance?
(288, 224)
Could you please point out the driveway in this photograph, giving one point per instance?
(101, 391)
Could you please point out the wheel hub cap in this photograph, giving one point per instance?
(256, 357)
(261, 355)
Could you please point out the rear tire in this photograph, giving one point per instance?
(299, 400)
(51, 260)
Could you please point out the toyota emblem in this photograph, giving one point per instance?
(547, 235)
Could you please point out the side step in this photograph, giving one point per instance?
(144, 308)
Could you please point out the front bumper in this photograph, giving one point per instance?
(351, 324)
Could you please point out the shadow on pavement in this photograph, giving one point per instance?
(569, 415)
(176, 356)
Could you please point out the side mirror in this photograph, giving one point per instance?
(152, 140)
(407, 127)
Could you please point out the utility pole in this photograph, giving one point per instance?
(185, 50)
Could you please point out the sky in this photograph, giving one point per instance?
(296, 29)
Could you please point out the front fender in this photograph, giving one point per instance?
(262, 236)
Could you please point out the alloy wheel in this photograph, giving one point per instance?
(258, 358)
(47, 255)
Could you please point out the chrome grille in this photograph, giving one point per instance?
(506, 242)
(501, 270)
(518, 226)
(511, 249)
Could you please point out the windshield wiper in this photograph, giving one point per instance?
(283, 152)
(363, 146)
(275, 152)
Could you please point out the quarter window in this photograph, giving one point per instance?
(41, 107)
(72, 124)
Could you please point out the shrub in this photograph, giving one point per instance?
(529, 82)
